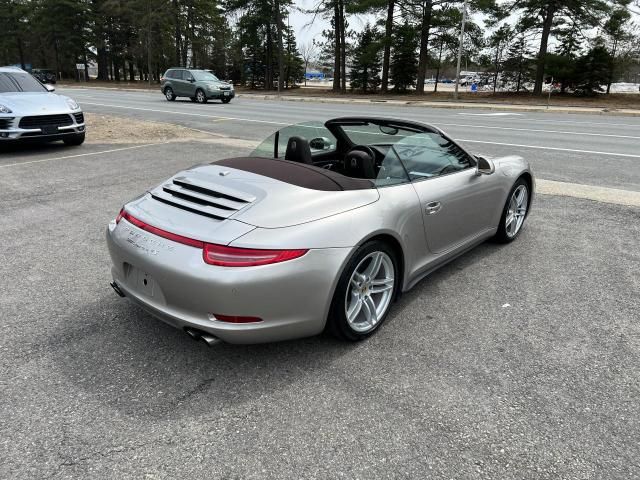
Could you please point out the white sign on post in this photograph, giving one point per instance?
(79, 66)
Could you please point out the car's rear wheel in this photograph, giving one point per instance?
(75, 139)
(201, 97)
(226, 100)
(365, 291)
(514, 212)
(168, 92)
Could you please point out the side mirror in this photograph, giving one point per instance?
(192, 80)
(49, 88)
(485, 166)
(320, 143)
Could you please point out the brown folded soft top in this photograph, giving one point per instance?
(299, 174)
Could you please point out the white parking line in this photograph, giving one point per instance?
(80, 155)
(537, 147)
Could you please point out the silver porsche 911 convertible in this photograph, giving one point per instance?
(322, 227)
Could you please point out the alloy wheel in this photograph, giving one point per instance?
(370, 292)
(517, 211)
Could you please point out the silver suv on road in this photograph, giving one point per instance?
(199, 85)
(30, 110)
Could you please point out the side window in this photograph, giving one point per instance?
(186, 75)
(429, 155)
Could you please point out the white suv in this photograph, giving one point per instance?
(30, 110)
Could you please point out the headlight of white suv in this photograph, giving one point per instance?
(4, 109)
(72, 104)
(214, 88)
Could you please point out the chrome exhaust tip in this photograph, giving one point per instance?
(116, 289)
(207, 338)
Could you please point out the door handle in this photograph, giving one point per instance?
(433, 207)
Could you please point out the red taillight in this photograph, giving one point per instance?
(219, 254)
(246, 257)
(236, 318)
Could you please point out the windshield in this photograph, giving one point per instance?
(19, 82)
(373, 134)
(201, 76)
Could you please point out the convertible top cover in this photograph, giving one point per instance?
(299, 174)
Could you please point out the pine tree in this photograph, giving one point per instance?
(404, 64)
(518, 63)
(366, 66)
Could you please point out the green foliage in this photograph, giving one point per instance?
(367, 62)
(592, 70)
(404, 64)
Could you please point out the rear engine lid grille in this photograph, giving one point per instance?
(209, 200)
(40, 121)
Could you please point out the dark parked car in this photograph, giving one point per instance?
(44, 75)
(199, 85)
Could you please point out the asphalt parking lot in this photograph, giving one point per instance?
(517, 361)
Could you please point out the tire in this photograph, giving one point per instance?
(354, 292)
(508, 231)
(75, 139)
(168, 93)
(201, 97)
(226, 100)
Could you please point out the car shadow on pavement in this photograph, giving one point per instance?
(130, 361)
(37, 148)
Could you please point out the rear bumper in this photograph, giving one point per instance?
(221, 94)
(292, 298)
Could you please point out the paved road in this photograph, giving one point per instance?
(585, 149)
(517, 361)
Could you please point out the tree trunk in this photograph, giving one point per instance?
(343, 47)
(103, 66)
(495, 73)
(424, 45)
(268, 77)
(20, 51)
(386, 57)
(613, 66)
(337, 43)
(544, 41)
(279, 40)
(177, 33)
(435, 87)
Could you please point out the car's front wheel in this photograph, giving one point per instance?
(75, 139)
(201, 97)
(514, 212)
(365, 291)
(226, 99)
(168, 92)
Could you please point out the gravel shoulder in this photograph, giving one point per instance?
(111, 129)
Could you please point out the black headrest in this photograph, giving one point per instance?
(359, 164)
(298, 150)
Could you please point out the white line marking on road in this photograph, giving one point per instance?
(80, 155)
(540, 131)
(489, 114)
(173, 112)
(537, 147)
